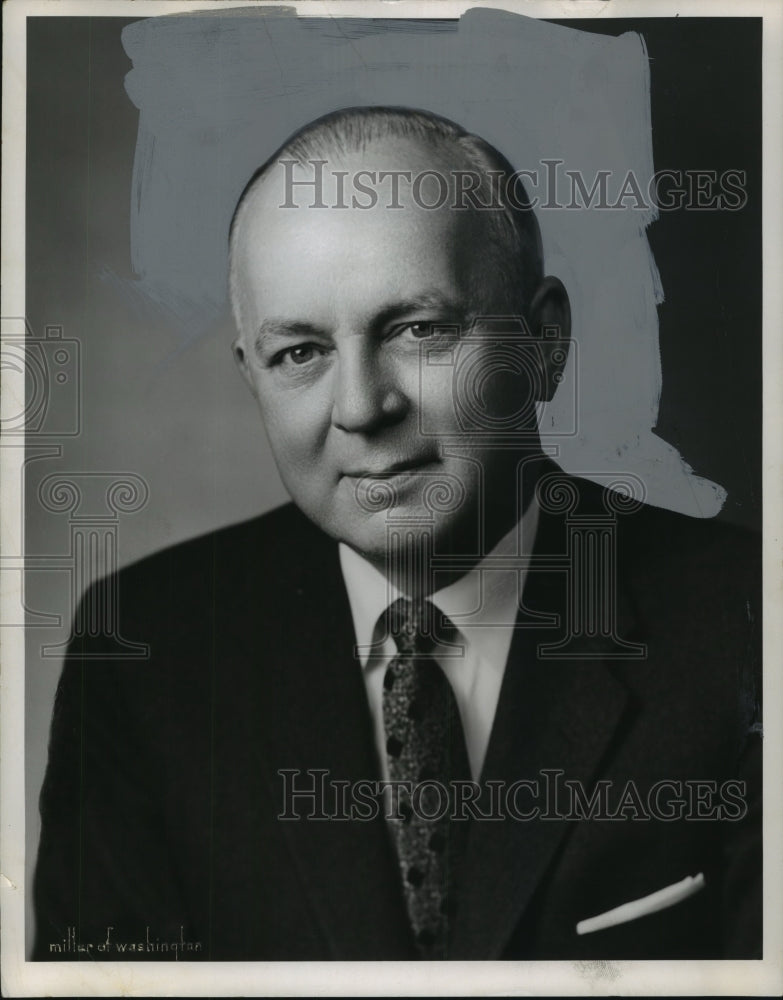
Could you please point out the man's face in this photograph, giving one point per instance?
(340, 343)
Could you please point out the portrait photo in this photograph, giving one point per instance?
(391, 461)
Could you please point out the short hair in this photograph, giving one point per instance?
(514, 252)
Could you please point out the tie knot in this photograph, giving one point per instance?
(412, 626)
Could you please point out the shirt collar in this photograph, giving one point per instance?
(484, 613)
(369, 594)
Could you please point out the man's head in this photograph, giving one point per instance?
(362, 278)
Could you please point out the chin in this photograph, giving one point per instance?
(411, 527)
(373, 535)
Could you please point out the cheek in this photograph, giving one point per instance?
(296, 423)
(481, 390)
(433, 392)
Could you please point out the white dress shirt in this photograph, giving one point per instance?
(482, 605)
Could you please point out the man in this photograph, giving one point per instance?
(454, 703)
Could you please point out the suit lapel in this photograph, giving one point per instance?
(552, 716)
(320, 720)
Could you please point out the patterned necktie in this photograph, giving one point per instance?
(425, 746)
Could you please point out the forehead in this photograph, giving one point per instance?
(352, 208)
(376, 164)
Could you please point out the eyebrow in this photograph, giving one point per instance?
(427, 301)
(288, 329)
(291, 329)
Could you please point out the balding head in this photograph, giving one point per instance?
(439, 166)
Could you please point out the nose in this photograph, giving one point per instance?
(367, 396)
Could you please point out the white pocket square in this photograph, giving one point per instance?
(669, 896)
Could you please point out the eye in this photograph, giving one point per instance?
(420, 330)
(437, 332)
(302, 354)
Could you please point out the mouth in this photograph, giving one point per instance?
(404, 467)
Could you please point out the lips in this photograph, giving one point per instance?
(392, 469)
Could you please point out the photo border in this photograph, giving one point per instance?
(579, 978)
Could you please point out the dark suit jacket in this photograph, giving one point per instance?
(162, 793)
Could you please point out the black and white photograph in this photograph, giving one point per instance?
(390, 476)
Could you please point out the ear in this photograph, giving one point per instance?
(549, 319)
(240, 357)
